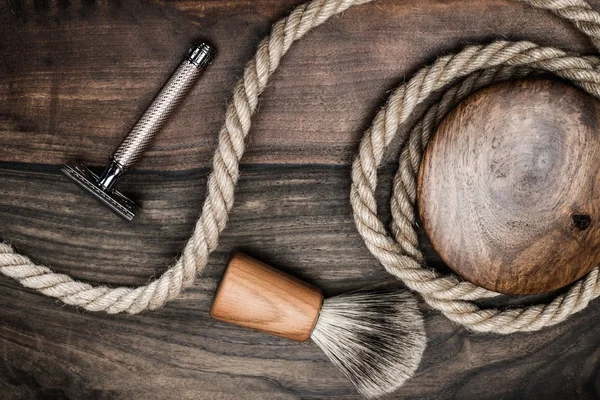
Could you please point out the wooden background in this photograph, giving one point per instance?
(74, 75)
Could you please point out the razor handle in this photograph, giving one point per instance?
(166, 101)
(102, 187)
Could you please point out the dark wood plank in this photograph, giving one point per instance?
(75, 79)
(75, 75)
(54, 350)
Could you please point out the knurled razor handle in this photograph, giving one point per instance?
(102, 187)
(172, 93)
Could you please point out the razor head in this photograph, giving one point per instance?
(111, 198)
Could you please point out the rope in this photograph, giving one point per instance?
(398, 250)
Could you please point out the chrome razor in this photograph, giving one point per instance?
(102, 187)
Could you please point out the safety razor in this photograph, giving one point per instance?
(102, 187)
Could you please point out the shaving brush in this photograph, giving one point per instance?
(376, 337)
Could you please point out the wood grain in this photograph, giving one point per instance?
(74, 76)
(508, 187)
(254, 295)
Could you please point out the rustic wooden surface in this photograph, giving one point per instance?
(516, 167)
(74, 75)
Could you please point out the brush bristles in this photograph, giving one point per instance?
(376, 337)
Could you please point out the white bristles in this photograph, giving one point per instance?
(376, 337)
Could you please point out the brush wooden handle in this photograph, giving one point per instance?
(255, 295)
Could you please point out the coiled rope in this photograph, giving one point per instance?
(398, 251)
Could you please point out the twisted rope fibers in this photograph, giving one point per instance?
(398, 251)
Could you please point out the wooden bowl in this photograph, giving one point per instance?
(509, 187)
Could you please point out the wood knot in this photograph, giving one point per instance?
(581, 221)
